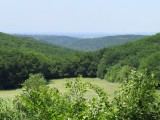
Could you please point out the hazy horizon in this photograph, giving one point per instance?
(83, 35)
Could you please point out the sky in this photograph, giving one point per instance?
(79, 16)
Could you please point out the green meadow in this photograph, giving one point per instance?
(108, 87)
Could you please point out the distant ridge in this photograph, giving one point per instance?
(87, 44)
(19, 42)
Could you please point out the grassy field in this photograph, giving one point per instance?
(9, 93)
(110, 88)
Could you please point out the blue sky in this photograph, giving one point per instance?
(79, 16)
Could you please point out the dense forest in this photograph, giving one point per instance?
(86, 44)
(143, 54)
(21, 56)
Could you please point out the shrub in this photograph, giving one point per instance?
(45, 103)
(137, 99)
(117, 73)
(34, 81)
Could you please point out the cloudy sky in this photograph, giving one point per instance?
(79, 16)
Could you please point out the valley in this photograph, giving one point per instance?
(32, 76)
(86, 44)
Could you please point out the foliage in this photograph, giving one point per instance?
(35, 81)
(21, 56)
(152, 63)
(132, 55)
(46, 103)
(15, 67)
(136, 100)
(117, 73)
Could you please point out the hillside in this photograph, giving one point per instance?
(88, 44)
(143, 54)
(18, 42)
(92, 44)
(59, 40)
(20, 57)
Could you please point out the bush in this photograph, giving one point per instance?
(137, 99)
(34, 81)
(45, 103)
(117, 73)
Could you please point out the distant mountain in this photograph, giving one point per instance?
(87, 44)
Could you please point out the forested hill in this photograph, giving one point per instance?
(20, 57)
(18, 42)
(88, 44)
(58, 40)
(143, 54)
(92, 44)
